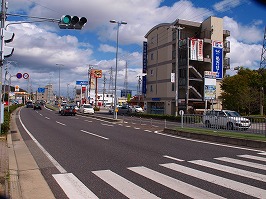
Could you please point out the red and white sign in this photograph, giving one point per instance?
(193, 49)
(200, 49)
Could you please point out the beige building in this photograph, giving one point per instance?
(45, 94)
(198, 43)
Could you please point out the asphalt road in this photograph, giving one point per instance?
(91, 158)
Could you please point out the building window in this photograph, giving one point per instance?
(173, 86)
(151, 89)
(152, 57)
(151, 72)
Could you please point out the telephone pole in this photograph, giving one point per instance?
(262, 70)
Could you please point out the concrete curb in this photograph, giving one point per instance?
(217, 138)
(26, 180)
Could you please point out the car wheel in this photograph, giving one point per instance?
(229, 126)
(207, 124)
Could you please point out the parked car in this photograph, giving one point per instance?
(29, 104)
(225, 119)
(37, 106)
(86, 108)
(68, 110)
(136, 109)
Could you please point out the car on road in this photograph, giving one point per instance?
(37, 106)
(86, 108)
(225, 119)
(136, 109)
(68, 110)
(29, 104)
(121, 110)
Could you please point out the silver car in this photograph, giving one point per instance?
(86, 108)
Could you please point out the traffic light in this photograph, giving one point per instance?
(8, 37)
(72, 22)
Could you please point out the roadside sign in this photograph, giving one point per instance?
(19, 75)
(26, 75)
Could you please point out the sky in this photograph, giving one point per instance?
(42, 49)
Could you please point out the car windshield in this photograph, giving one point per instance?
(88, 106)
(232, 114)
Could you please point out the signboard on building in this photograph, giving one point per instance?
(81, 83)
(196, 49)
(145, 57)
(172, 77)
(217, 58)
(200, 49)
(41, 90)
(144, 84)
(209, 85)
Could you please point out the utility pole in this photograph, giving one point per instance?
(104, 82)
(126, 81)
(139, 92)
(3, 18)
(111, 85)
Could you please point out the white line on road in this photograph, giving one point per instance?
(169, 157)
(60, 123)
(136, 128)
(122, 185)
(41, 114)
(240, 172)
(127, 126)
(148, 131)
(262, 153)
(87, 120)
(47, 118)
(253, 157)
(107, 124)
(174, 184)
(94, 134)
(73, 187)
(231, 184)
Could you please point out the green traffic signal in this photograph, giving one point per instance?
(72, 22)
(66, 19)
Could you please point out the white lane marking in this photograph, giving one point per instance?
(172, 183)
(60, 123)
(107, 124)
(47, 118)
(73, 187)
(127, 126)
(231, 184)
(148, 131)
(120, 124)
(172, 158)
(41, 114)
(244, 163)
(54, 162)
(47, 108)
(94, 134)
(136, 128)
(124, 186)
(253, 157)
(262, 153)
(211, 143)
(87, 120)
(232, 170)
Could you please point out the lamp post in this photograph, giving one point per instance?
(119, 23)
(178, 29)
(59, 68)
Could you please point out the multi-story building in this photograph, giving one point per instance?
(45, 94)
(175, 58)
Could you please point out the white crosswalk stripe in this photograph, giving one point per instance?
(124, 186)
(177, 185)
(231, 184)
(74, 188)
(253, 157)
(232, 170)
(244, 163)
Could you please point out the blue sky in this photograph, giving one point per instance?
(40, 46)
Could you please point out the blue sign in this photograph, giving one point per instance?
(145, 57)
(217, 59)
(144, 82)
(82, 83)
(41, 90)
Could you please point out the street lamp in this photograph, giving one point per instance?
(119, 23)
(59, 67)
(178, 29)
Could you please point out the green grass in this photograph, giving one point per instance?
(242, 135)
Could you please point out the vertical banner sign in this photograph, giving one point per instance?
(193, 49)
(217, 58)
(172, 77)
(200, 49)
(144, 83)
(209, 85)
(145, 56)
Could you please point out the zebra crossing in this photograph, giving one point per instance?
(249, 167)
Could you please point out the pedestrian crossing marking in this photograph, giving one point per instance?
(231, 184)
(253, 157)
(172, 183)
(262, 153)
(240, 172)
(244, 163)
(73, 187)
(124, 186)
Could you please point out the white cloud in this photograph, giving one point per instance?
(107, 48)
(225, 5)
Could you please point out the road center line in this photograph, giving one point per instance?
(60, 123)
(47, 118)
(94, 134)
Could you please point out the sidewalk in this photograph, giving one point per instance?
(25, 178)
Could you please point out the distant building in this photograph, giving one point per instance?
(45, 93)
(188, 54)
(125, 93)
